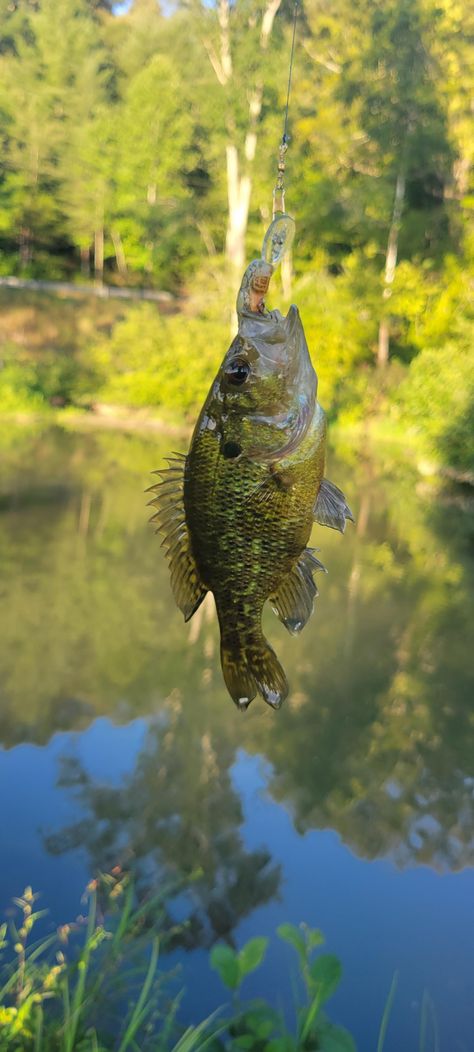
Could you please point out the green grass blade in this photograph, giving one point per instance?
(13, 978)
(310, 1016)
(191, 1041)
(138, 1011)
(82, 969)
(423, 1021)
(434, 1023)
(124, 918)
(38, 1029)
(66, 1007)
(169, 1022)
(387, 1012)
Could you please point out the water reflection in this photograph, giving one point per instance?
(374, 743)
(377, 738)
(177, 815)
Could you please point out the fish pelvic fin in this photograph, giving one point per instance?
(331, 508)
(170, 520)
(293, 600)
(252, 667)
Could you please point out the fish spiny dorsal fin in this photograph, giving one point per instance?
(170, 519)
(294, 599)
(331, 508)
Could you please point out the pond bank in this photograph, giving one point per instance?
(371, 437)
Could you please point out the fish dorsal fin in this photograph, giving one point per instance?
(294, 599)
(170, 519)
(331, 508)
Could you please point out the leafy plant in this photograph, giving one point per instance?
(257, 1026)
(234, 967)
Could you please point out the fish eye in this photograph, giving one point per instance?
(237, 372)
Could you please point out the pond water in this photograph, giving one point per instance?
(350, 809)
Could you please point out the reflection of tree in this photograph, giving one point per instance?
(83, 591)
(380, 745)
(177, 813)
(376, 740)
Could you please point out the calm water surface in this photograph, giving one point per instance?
(351, 809)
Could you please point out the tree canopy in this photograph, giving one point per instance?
(140, 147)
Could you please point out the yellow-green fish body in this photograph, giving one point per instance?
(237, 512)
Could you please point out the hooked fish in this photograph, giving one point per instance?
(238, 510)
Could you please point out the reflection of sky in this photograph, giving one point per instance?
(32, 806)
(376, 918)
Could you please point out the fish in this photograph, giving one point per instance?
(238, 509)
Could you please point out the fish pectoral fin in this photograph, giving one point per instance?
(331, 508)
(294, 599)
(170, 519)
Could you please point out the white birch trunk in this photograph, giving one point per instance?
(383, 350)
(239, 168)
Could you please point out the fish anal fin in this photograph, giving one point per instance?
(331, 508)
(186, 584)
(293, 601)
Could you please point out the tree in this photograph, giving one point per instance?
(237, 42)
(392, 87)
(50, 76)
(152, 202)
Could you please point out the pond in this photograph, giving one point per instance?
(351, 809)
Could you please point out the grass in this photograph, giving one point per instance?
(97, 985)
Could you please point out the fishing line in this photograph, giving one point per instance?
(279, 236)
(290, 72)
(279, 190)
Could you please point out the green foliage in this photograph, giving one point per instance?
(226, 963)
(56, 995)
(116, 161)
(159, 361)
(258, 1026)
(438, 399)
(234, 967)
(19, 389)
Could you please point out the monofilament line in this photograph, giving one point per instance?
(279, 190)
(285, 127)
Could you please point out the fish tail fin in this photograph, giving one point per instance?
(252, 666)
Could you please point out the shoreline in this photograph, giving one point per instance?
(135, 421)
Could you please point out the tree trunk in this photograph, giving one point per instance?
(238, 194)
(383, 347)
(239, 169)
(383, 350)
(99, 255)
(119, 252)
(85, 260)
(25, 246)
